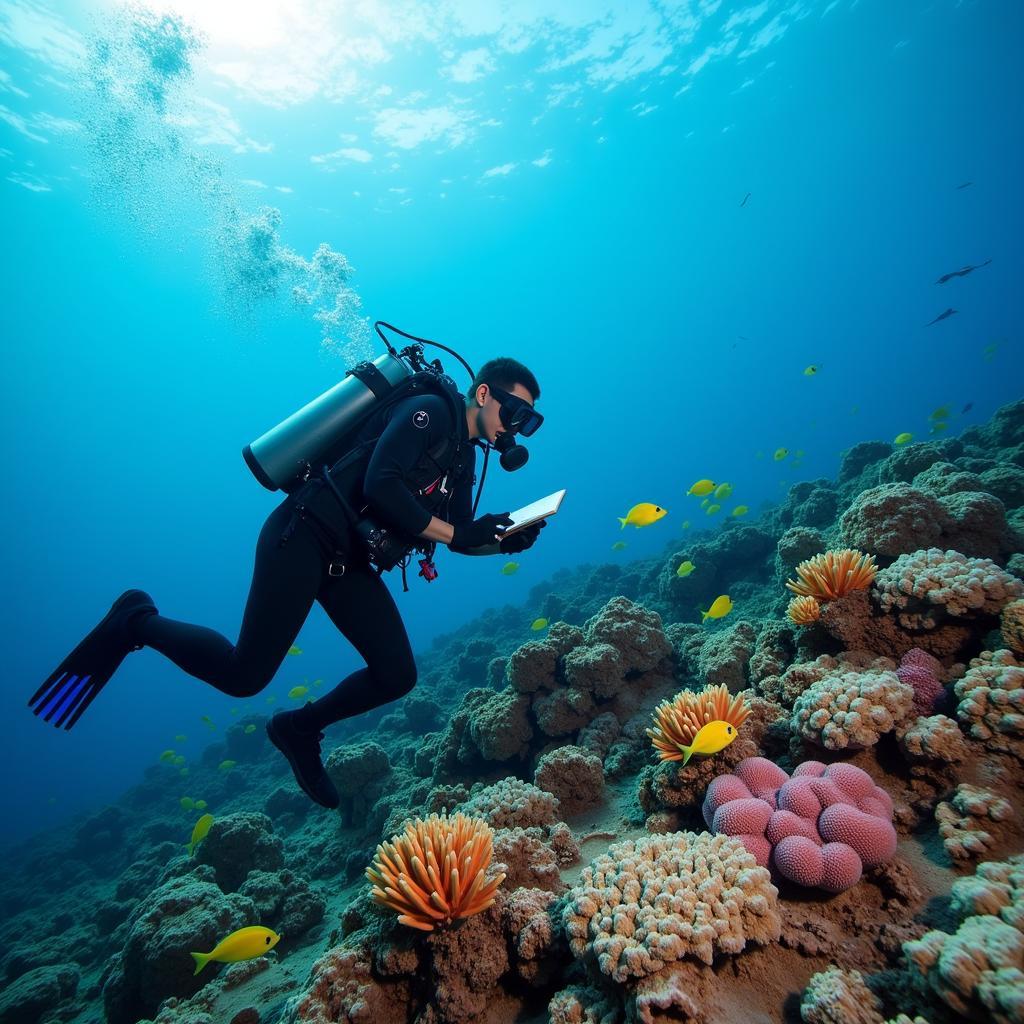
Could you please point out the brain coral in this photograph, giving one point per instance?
(852, 709)
(649, 902)
(991, 695)
(818, 828)
(928, 586)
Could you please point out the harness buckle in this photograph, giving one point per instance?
(333, 566)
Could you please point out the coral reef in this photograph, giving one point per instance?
(991, 701)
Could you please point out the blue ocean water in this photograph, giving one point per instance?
(667, 212)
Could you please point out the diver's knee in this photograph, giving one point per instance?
(404, 679)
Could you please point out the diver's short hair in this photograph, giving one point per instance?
(504, 372)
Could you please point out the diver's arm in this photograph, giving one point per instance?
(461, 511)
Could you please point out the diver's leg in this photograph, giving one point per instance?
(361, 606)
(284, 585)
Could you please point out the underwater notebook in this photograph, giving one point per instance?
(540, 509)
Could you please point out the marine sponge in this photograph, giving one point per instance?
(961, 820)
(649, 902)
(679, 720)
(930, 585)
(803, 610)
(833, 574)
(818, 828)
(991, 695)
(852, 709)
(436, 871)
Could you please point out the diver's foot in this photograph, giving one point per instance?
(135, 607)
(303, 752)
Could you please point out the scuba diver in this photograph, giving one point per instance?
(403, 481)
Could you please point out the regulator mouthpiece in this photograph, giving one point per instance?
(513, 456)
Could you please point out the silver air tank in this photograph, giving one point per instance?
(280, 457)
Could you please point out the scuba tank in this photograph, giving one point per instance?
(321, 438)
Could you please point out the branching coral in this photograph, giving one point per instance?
(834, 573)
(804, 610)
(679, 720)
(435, 872)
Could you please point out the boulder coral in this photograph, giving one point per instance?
(965, 819)
(819, 827)
(991, 701)
(852, 709)
(649, 902)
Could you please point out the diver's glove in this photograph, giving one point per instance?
(480, 532)
(521, 539)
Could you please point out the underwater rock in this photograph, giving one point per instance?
(573, 775)
(239, 843)
(41, 989)
(892, 519)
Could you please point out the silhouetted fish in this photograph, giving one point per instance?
(965, 184)
(745, 198)
(942, 316)
(962, 272)
(967, 408)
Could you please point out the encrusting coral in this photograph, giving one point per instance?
(679, 720)
(649, 902)
(436, 872)
(961, 820)
(976, 971)
(833, 574)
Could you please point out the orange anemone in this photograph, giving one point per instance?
(833, 574)
(804, 610)
(677, 721)
(436, 871)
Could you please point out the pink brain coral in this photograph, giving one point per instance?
(819, 827)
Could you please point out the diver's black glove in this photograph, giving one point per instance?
(479, 532)
(521, 539)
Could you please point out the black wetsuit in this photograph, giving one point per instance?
(403, 487)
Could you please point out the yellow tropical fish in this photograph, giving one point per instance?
(710, 739)
(938, 427)
(740, 510)
(245, 944)
(179, 759)
(167, 757)
(227, 765)
(202, 826)
(686, 524)
(187, 803)
(249, 729)
(509, 567)
(712, 509)
(294, 650)
(779, 454)
(180, 738)
(811, 371)
(723, 491)
(702, 487)
(298, 691)
(643, 515)
(538, 624)
(704, 502)
(720, 607)
(318, 682)
(208, 722)
(619, 545)
(942, 413)
(685, 568)
(902, 438)
(200, 805)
